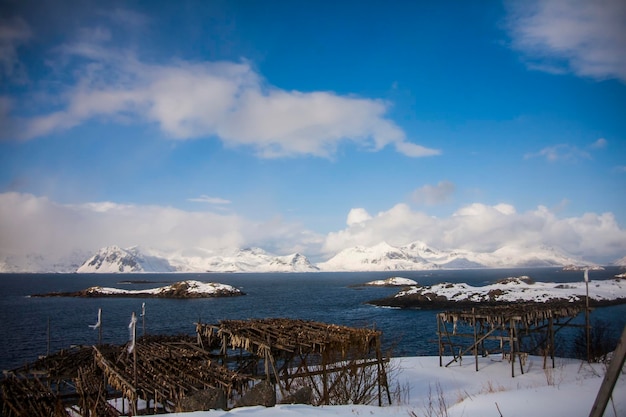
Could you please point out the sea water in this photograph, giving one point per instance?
(31, 326)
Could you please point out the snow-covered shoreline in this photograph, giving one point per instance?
(506, 291)
(391, 282)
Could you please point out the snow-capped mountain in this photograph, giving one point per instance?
(114, 259)
(419, 256)
(457, 259)
(38, 263)
(293, 263)
(244, 260)
(382, 257)
(620, 262)
(524, 256)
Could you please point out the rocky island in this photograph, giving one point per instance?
(506, 291)
(391, 282)
(181, 289)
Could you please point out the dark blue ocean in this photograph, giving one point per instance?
(326, 297)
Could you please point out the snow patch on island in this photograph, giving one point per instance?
(520, 289)
(181, 289)
(392, 282)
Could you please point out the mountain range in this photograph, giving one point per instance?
(382, 257)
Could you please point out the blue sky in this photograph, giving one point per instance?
(313, 126)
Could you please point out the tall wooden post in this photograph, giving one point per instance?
(512, 347)
(587, 323)
(325, 400)
(143, 318)
(475, 339)
(439, 336)
(48, 344)
(100, 327)
(133, 334)
(610, 378)
(551, 330)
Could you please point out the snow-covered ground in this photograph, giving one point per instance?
(568, 390)
(522, 289)
(392, 282)
(202, 289)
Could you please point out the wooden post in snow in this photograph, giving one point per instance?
(98, 326)
(587, 323)
(610, 378)
(143, 318)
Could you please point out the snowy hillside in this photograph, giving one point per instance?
(515, 290)
(514, 256)
(241, 260)
(37, 263)
(382, 257)
(620, 262)
(419, 256)
(114, 259)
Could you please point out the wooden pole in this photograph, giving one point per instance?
(587, 324)
(143, 318)
(610, 378)
(48, 345)
(135, 356)
(439, 335)
(133, 329)
(512, 348)
(325, 400)
(100, 328)
(551, 325)
(475, 339)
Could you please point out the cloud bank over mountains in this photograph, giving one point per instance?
(32, 224)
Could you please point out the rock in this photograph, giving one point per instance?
(205, 400)
(302, 396)
(262, 393)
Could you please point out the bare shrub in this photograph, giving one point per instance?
(490, 388)
(351, 382)
(436, 405)
(554, 376)
(603, 340)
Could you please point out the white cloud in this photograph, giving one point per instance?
(484, 228)
(433, 194)
(357, 215)
(226, 100)
(585, 37)
(32, 224)
(560, 152)
(209, 200)
(567, 152)
(601, 143)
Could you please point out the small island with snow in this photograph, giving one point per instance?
(181, 289)
(510, 290)
(391, 282)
